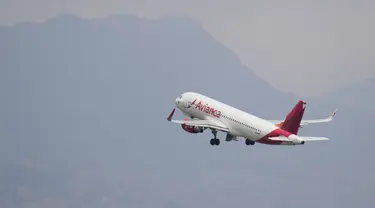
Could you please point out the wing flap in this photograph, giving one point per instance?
(203, 123)
(198, 122)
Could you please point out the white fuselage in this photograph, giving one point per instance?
(239, 123)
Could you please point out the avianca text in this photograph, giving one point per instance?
(207, 109)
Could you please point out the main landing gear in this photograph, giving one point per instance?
(249, 142)
(214, 141)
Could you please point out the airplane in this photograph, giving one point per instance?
(206, 113)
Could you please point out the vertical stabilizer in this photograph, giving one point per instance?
(293, 120)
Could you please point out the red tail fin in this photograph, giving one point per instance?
(293, 120)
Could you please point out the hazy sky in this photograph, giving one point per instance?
(305, 47)
(71, 111)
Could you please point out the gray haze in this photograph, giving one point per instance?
(83, 123)
(304, 47)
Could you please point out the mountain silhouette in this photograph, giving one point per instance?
(83, 123)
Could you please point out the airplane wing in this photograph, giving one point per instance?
(201, 123)
(300, 138)
(306, 122)
(313, 139)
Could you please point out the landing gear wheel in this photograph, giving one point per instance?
(215, 142)
(249, 142)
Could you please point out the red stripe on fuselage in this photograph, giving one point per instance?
(274, 133)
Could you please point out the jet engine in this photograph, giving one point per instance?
(192, 129)
(295, 139)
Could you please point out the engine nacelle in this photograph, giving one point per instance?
(296, 140)
(192, 129)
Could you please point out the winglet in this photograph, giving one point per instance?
(171, 115)
(334, 112)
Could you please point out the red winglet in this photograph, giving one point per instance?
(171, 115)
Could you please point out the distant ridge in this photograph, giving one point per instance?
(359, 96)
(83, 108)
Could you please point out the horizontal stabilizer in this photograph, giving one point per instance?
(313, 139)
(280, 139)
(296, 140)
